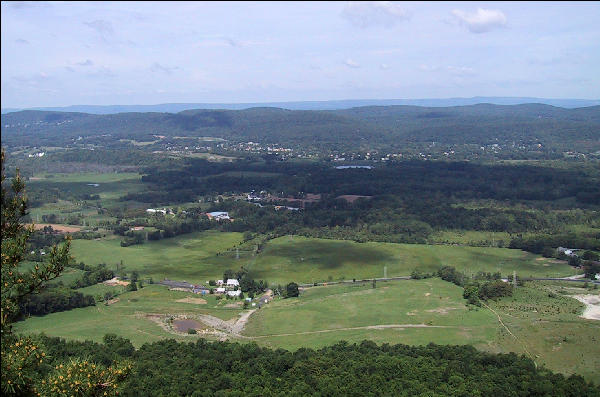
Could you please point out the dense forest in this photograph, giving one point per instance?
(202, 368)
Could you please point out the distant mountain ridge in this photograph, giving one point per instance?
(315, 105)
(530, 124)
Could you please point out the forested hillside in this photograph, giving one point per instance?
(169, 368)
(485, 124)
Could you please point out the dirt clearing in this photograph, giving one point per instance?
(57, 227)
(592, 306)
(196, 301)
(115, 281)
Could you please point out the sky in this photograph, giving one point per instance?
(125, 53)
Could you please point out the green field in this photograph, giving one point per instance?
(191, 257)
(543, 326)
(87, 177)
(309, 260)
(547, 325)
(127, 317)
(324, 315)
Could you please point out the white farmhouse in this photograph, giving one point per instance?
(232, 282)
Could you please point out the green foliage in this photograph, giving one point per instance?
(291, 290)
(22, 357)
(495, 289)
(450, 274)
(339, 369)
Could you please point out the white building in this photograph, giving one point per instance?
(232, 282)
(218, 215)
(234, 293)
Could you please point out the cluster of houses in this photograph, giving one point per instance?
(571, 252)
(219, 216)
(231, 287)
(163, 211)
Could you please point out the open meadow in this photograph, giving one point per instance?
(308, 260)
(540, 321)
(191, 257)
(197, 257)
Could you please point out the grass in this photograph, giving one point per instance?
(308, 260)
(98, 290)
(126, 318)
(87, 177)
(291, 323)
(548, 326)
(191, 257)
(546, 323)
(198, 257)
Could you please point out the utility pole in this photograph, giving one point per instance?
(237, 253)
(385, 272)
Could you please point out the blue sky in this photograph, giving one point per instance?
(66, 53)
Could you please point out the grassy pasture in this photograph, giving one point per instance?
(100, 289)
(191, 257)
(87, 177)
(125, 317)
(547, 324)
(546, 327)
(324, 315)
(306, 260)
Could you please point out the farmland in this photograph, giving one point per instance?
(193, 257)
(543, 326)
(308, 260)
(126, 317)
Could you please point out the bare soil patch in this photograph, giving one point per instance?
(58, 228)
(196, 301)
(592, 306)
(115, 281)
(441, 310)
(112, 301)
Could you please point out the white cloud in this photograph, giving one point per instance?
(351, 63)
(87, 62)
(366, 14)
(384, 66)
(481, 21)
(157, 67)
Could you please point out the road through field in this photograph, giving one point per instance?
(381, 326)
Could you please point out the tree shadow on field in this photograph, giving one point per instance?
(330, 254)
